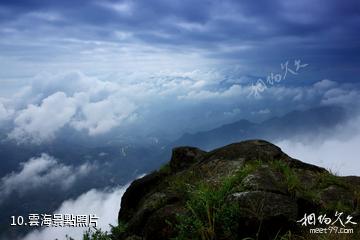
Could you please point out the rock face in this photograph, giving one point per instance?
(247, 189)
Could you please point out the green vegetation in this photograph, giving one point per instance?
(339, 206)
(293, 184)
(165, 169)
(210, 215)
(98, 234)
(291, 179)
(180, 183)
(357, 200)
(327, 179)
(118, 231)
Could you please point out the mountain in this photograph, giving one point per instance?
(294, 124)
(246, 190)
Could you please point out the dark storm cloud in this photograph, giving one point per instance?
(222, 20)
(324, 32)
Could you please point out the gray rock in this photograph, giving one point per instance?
(265, 205)
(266, 180)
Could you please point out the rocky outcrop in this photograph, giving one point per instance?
(247, 189)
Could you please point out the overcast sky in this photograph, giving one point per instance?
(99, 35)
(170, 59)
(169, 67)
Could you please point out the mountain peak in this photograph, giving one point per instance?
(245, 189)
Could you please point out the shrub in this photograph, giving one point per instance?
(210, 215)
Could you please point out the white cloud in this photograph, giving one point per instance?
(99, 117)
(93, 105)
(324, 91)
(5, 113)
(45, 84)
(325, 84)
(341, 96)
(262, 111)
(105, 204)
(233, 112)
(166, 100)
(39, 172)
(71, 99)
(40, 123)
(233, 91)
(124, 8)
(338, 153)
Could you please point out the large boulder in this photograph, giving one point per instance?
(246, 189)
(183, 157)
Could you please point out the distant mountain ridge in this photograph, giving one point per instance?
(296, 123)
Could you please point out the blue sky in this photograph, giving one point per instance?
(189, 64)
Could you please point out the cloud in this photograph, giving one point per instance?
(147, 102)
(124, 7)
(5, 113)
(92, 105)
(40, 172)
(322, 92)
(263, 111)
(242, 32)
(72, 100)
(104, 204)
(325, 84)
(341, 96)
(100, 117)
(235, 90)
(167, 58)
(40, 123)
(337, 153)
